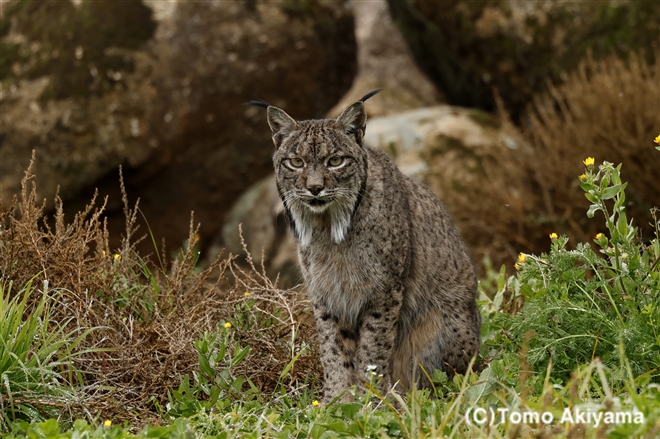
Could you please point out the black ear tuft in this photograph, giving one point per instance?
(258, 103)
(370, 94)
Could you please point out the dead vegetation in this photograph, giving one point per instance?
(528, 187)
(146, 315)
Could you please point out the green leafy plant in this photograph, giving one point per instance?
(581, 305)
(214, 384)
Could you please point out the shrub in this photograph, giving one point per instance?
(580, 305)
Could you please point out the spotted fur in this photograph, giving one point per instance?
(391, 282)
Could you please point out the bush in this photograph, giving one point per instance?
(580, 305)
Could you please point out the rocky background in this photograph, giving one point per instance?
(493, 104)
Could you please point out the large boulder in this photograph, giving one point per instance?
(256, 227)
(75, 89)
(158, 88)
(468, 48)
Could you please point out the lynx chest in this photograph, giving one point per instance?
(345, 277)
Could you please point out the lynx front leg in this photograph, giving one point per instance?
(337, 349)
(376, 342)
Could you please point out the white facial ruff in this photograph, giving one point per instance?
(340, 211)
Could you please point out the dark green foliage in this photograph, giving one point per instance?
(8, 52)
(36, 357)
(580, 305)
(70, 43)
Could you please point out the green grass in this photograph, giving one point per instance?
(36, 357)
(418, 416)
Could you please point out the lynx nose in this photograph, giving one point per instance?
(314, 182)
(315, 189)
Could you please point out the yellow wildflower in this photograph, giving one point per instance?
(246, 294)
(516, 266)
(107, 423)
(583, 177)
(103, 253)
(315, 403)
(117, 256)
(589, 161)
(598, 236)
(553, 235)
(657, 140)
(227, 325)
(522, 258)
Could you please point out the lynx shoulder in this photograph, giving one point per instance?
(391, 282)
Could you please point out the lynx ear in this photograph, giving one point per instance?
(352, 121)
(281, 124)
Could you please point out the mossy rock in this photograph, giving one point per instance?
(70, 43)
(470, 48)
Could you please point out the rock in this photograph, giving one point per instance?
(162, 95)
(457, 152)
(74, 90)
(260, 214)
(405, 135)
(384, 61)
(469, 48)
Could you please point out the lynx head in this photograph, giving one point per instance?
(320, 168)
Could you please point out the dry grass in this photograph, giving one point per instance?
(147, 316)
(527, 186)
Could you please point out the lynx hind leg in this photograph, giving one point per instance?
(413, 343)
(452, 349)
(441, 340)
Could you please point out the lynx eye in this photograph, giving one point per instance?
(336, 161)
(296, 162)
